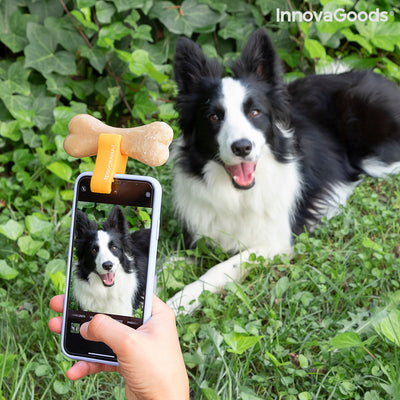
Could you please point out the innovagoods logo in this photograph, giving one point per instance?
(329, 16)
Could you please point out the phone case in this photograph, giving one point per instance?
(152, 256)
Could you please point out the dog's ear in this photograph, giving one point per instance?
(83, 224)
(191, 65)
(116, 221)
(259, 59)
(141, 239)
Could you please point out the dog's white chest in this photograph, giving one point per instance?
(257, 219)
(117, 299)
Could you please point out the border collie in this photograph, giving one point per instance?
(258, 160)
(109, 275)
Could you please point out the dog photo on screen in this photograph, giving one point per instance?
(110, 264)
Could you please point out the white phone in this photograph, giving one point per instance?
(111, 259)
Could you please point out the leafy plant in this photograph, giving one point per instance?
(280, 333)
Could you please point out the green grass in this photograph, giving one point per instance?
(324, 325)
(313, 324)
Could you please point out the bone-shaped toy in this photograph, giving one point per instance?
(147, 143)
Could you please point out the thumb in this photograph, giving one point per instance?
(103, 328)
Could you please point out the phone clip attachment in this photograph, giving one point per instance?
(109, 162)
(88, 136)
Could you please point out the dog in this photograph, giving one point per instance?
(109, 274)
(259, 160)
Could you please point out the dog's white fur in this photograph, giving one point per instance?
(216, 203)
(94, 296)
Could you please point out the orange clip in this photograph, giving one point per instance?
(109, 162)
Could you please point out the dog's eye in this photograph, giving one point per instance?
(94, 250)
(254, 113)
(214, 118)
(114, 248)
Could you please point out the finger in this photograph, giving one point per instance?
(57, 303)
(161, 312)
(84, 368)
(55, 324)
(159, 307)
(103, 328)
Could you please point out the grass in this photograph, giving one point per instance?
(315, 321)
(324, 325)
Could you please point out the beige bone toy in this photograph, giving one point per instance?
(147, 143)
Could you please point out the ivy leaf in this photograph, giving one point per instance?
(199, 16)
(57, 84)
(392, 68)
(66, 33)
(109, 34)
(124, 5)
(17, 79)
(7, 9)
(58, 279)
(96, 57)
(43, 10)
(20, 107)
(383, 35)
(314, 48)
(171, 16)
(13, 31)
(41, 53)
(28, 245)
(140, 64)
(143, 105)
(112, 98)
(12, 229)
(237, 27)
(84, 19)
(86, 3)
(10, 130)
(43, 108)
(37, 227)
(104, 12)
(269, 6)
(61, 169)
(352, 37)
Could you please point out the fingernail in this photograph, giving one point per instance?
(84, 328)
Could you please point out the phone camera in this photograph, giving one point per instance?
(83, 188)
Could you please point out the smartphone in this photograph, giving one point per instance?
(111, 259)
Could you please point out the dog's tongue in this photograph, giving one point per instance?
(108, 279)
(242, 174)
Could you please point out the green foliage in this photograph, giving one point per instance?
(113, 59)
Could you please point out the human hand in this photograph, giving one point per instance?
(150, 358)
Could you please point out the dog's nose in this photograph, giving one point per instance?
(107, 265)
(242, 147)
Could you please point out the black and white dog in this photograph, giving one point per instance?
(109, 275)
(259, 160)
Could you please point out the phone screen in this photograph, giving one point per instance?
(112, 252)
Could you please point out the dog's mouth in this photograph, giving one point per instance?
(108, 279)
(242, 174)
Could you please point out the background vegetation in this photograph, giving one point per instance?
(324, 326)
